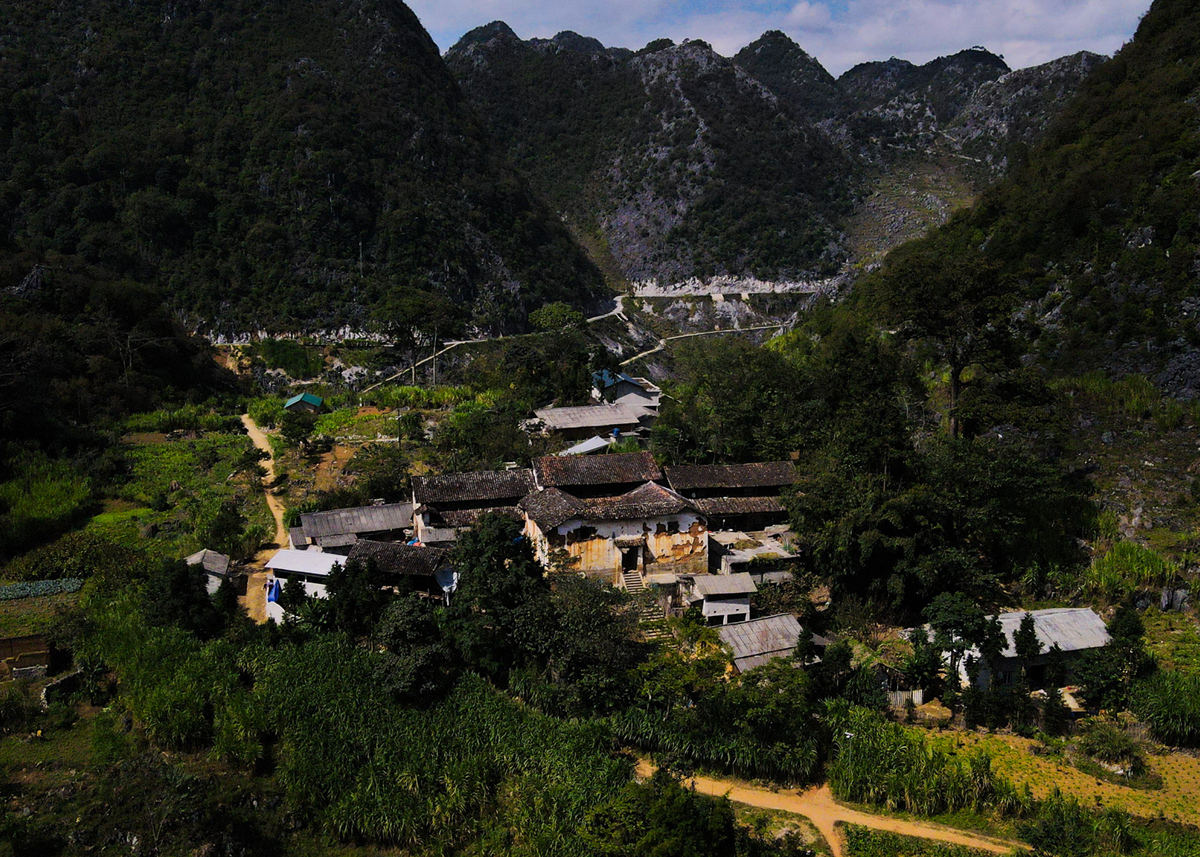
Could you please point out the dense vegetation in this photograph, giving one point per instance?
(1093, 237)
(282, 165)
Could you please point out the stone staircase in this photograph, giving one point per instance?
(651, 617)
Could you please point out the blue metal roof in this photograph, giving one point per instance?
(307, 398)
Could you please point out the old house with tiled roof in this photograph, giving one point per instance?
(450, 502)
(596, 476)
(735, 496)
(647, 531)
(410, 568)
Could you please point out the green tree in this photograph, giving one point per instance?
(556, 316)
(297, 427)
(356, 597)
(176, 594)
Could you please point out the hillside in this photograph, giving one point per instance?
(273, 165)
(673, 162)
(1094, 233)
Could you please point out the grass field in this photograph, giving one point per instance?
(33, 615)
(1174, 639)
(1012, 757)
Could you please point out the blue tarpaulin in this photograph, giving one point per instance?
(274, 592)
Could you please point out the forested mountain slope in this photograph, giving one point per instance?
(674, 162)
(301, 164)
(1094, 237)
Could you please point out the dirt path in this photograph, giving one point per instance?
(819, 807)
(255, 599)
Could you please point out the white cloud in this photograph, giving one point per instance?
(839, 33)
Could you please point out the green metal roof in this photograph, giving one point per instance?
(307, 398)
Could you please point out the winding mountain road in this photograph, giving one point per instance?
(819, 807)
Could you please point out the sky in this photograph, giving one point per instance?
(839, 33)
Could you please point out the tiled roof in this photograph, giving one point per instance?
(764, 474)
(469, 517)
(553, 471)
(738, 505)
(363, 519)
(550, 507)
(759, 640)
(588, 417)
(396, 558)
(483, 485)
(647, 501)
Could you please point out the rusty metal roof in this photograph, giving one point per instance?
(554, 471)
(764, 474)
(211, 561)
(480, 486)
(759, 640)
(362, 519)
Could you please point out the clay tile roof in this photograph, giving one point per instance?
(483, 485)
(647, 501)
(553, 471)
(764, 474)
(396, 558)
(738, 505)
(459, 518)
(550, 507)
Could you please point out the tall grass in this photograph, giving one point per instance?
(40, 500)
(1127, 567)
(417, 397)
(881, 763)
(1133, 396)
(1170, 702)
(186, 418)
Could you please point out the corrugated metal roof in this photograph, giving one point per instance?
(586, 447)
(305, 562)
(759, 640)
(359, 520)
(480, 486)
(589, 417)
(763, 474)
(306, 398)
(212, 562)
(1073, 629)
(707, 585)
(553, 471)
(298, 539)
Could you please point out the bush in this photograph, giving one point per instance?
(267, 413)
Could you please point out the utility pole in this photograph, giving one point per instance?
(434, 384)
(360, 260)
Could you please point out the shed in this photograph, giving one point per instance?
(310, 567)
(217, 566)
(577, 423)
(723, 598)
(304, 403)
(1074, 630)
(759, 640)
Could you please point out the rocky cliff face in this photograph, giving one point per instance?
(674, 162)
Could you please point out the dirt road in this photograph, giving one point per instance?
(819, 807)
(255, 599)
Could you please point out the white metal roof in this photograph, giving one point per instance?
(1073, 629)
(588, 416)
(724, 584)
(305, 562)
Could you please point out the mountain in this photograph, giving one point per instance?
(289, 165)
(669, 163)
(1095, 229)
(673, 162)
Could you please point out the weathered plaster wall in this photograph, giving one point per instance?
(674, 543)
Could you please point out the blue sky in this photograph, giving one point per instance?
(839, 33)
